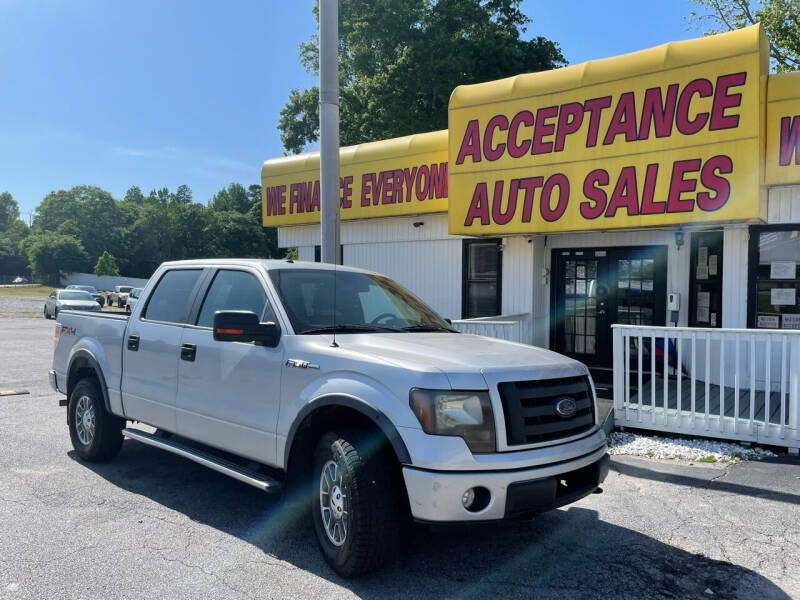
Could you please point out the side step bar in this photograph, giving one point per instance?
(257, 480)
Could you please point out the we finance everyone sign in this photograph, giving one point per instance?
(664, 136)
(783, 129)
(401, 176)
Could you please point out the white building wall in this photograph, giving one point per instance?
(783, 205)
(423, 258)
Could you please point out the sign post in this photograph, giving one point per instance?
(329, 129)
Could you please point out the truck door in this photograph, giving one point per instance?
(151, 350)
(229, 392)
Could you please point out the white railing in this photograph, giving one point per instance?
(513, 328)
(741, 384)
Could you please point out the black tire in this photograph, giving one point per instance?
(373, 501)
(55, 312)
(106, 439)
(46, 316)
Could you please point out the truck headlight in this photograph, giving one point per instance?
(464, 414)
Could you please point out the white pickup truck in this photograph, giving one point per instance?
(340, 385)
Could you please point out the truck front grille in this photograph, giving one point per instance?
(530, 409)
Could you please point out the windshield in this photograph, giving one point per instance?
(364, 302)
(123, 289)
(75, 295)
(135, 292)
(85, 288)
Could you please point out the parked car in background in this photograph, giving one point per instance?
(119, 295)
(18, 280)
(99, 298)
(132, 299)
(59, 300)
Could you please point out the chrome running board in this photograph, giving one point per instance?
(257, 480)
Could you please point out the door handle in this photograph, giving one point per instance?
(133, 342)
(188, 352)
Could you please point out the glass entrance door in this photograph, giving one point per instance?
(595, 288)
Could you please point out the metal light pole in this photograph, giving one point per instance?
(329, 129)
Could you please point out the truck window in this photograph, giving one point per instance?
(233, 290)
(167, 303)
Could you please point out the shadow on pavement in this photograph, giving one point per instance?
(719, 485)
(561, 554)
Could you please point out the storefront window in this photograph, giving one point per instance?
(705, 293)
(481, 279)
(774, 284)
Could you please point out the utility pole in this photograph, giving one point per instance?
(329, 129)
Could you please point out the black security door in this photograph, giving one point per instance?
(595, 288)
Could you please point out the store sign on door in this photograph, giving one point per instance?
(659, 137)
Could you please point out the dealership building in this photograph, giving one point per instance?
(656, 188)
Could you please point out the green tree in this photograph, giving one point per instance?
(232, 198)
(87, 212)
(51, 253)
(183, 195)
(254, 194)
(780, 19)
(399, 60)
(134, 195)
(9, 211)
(106, 265)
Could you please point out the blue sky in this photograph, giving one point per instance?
(161, 93)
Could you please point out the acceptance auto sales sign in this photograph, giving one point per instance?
(659, 137)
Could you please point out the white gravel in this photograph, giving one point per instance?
(623, 442)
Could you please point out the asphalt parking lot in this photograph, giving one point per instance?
(152, 525)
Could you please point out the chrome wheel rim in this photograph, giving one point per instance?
(84, 420)
(333, 503)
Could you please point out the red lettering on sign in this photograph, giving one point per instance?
(478, 207)
(529, 184)
(471, 144)
(542, 128)
(408, 176)
(710, 179)
(625, 194)
(438, 186)
(499, 216)
(570, 118)
(596, 196)
(423, 182)
(723, 100)
(679, 185)
(519, 149)
(490, 151)
(276, 197)
(789, 141)
(595, 107)
(623, 120)
(549, 213)
(649, 205)
(346, 187)
(657, 112)
(686, 125)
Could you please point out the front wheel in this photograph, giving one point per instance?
(96, 434)
(46, 316)
(357, 508)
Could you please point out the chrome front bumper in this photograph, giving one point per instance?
(436, 496)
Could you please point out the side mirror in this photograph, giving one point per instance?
(244, 326)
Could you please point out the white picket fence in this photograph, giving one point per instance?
(740, 384)
(514, 328)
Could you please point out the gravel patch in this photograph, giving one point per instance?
(700, 450)
(16, 306)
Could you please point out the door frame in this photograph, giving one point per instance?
(613, 253)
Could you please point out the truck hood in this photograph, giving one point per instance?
(457, 354)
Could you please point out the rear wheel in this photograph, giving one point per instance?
(357, 509)
(55, 312)
(96, 434)
(46, 316)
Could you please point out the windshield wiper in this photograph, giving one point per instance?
(345, 327)
(429, 328)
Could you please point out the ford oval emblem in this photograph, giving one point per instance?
(566, 407)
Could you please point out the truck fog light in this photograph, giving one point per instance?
(468, 498)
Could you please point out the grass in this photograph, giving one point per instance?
(707, 459)
(31, 290)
